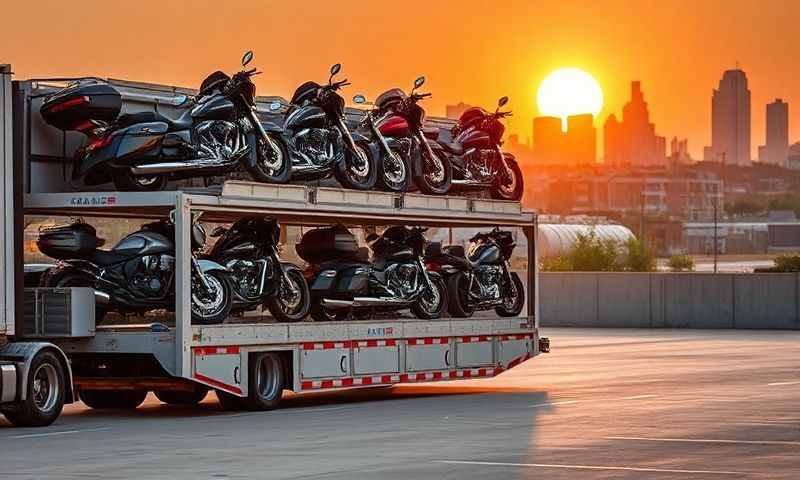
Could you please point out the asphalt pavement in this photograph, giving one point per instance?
(606, 404)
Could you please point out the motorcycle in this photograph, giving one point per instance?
(142, 151)
(344, 282)
(478, 162)
(394, 172)
(138, 274)
(400, 121)
(320, 143)
(249, 250)
(482, 278)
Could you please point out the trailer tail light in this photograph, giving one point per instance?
(70, 103)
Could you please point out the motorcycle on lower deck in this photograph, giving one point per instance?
(142, 151)
(482, 278)
(138, 274)
(319, 142)
(476, 157)
(399, 119)
(249, 250)
(344, 283)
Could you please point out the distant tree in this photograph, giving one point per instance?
(681, 263)
(787, 263)
(639, 258)
(745, 206)
(593, 254)
(556, 264)
(786, 202)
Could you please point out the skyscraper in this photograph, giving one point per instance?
(576, 146)
(548, 141)
(581, 140)
(730, 120)
(633, 140)
(776, 149)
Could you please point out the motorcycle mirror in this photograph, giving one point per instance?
(247, 58)
(274, 106)
(419, 82)
(359, 99)
(502, 101)
(335, 69)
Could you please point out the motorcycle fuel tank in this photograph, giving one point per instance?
(215, 108)
(474, 138)
(485, 253)
(143, 243)
(394, 126)
(309, 116)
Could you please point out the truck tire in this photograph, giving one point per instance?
(45, 398)
(171, 397)
(266, 382)
(113, 399)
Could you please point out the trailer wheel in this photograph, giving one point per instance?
(45, 397)
(113, 399)
(266, 382)
(171, 397)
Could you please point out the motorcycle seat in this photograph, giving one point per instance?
(454, 148)
(108, 257)
(455, 250)
(184, 122)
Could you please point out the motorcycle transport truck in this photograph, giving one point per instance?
(57, 348)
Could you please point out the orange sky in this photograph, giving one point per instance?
(469, 50)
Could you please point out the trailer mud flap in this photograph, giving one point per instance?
(221, 368)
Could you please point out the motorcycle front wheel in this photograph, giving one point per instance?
(458, 296)
(433, 302)
(213, 306)
(514, 300)
(125, 181)
(357, 170)
(273, 164)
(509, 185)
(394, 171)
(291, 302)
(433, 175)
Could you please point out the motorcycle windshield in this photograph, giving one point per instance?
(305, 93)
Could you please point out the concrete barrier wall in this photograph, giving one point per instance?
(670, 300)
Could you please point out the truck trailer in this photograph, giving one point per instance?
(53, 352)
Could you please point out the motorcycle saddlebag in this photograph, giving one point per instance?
(326, 244)
(68, 241)
(74, 106)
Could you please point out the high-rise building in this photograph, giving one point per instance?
(455, 111)
(548, 141)
(730, 121)
(576, 146)
(776, 149)
(581, 140)
(633, 141)
(679, 151)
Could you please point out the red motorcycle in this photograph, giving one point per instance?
(399, 122)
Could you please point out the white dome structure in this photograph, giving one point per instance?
(558, 238)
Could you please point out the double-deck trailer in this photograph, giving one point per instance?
(51, 349)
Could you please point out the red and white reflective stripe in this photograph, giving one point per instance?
(429, 341)
(375, 343)
(326, 345)
(217, 384)
(479, 338)
(399, 378)
(216, 350)
(519, 336)
(518, 360)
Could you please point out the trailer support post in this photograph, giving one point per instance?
(183, 289)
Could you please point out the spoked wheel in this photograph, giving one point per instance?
(458, 296)
(211, 305)
(434, 173)
(509, 184)
(45, 397)
(71, 277)
(514, 299)
(395, 174)
(433, 301)
(272, 164)
(292, 301)
(357, 171)
(125, 181)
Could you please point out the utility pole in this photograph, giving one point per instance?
(715, 234)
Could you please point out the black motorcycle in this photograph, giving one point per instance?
(249, 250)
(344, 282)
(320, 143)
(138, 274)
(478, 162)
(400, 121)
(481, 279)
(394, 171)
(142, 151)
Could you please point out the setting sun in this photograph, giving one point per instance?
(569, 91)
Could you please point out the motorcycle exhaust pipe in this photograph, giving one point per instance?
(101, 298)
(183, 165)
(378, 301)
(336, 304)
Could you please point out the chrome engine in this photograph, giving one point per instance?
(480, 164)
(247, 276)
(488, 279)
(316, 145)
(403, 279)
(153, 273)
(218, 139)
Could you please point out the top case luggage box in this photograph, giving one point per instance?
(73, 107)
(327, 244)
(70, 241)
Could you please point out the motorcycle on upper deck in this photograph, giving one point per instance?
(320, 143)
(478, 162)
(400, 121)
(142, 151)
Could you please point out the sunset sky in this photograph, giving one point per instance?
(470, 51)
